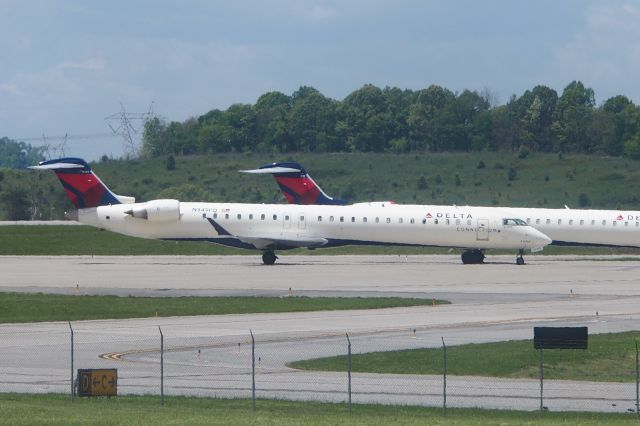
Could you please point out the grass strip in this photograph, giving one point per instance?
(54, 409)
(610, 358)
(34, 307)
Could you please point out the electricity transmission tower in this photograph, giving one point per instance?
(129, 125)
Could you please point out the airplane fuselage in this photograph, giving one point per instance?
(278, 226)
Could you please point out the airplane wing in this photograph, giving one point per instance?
(265, 241)
(272, 241)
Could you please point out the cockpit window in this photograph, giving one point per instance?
(514, 222)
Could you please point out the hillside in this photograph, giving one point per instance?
(485, 178)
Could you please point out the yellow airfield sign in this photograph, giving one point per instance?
(98, 382)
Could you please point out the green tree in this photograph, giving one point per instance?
(272, 111)
(312, 121)
(574, 112)
(16, 202)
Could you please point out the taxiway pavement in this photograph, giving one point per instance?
(209, 355)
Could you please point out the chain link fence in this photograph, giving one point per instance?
(45, 358)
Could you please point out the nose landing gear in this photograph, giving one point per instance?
(519, 258)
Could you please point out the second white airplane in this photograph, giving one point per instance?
(566, 227)
(271, 227)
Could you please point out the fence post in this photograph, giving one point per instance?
(253, 371)
(349, 369)
(444, 376)
(637, 383)
(72, 387)
(541, 378)
(161, 366)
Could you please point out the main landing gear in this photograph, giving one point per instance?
(472, 257)
(269, 257)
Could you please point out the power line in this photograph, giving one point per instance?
(129, 125)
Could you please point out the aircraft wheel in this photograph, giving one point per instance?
(269, 258)
(472, 257)
(519, 260)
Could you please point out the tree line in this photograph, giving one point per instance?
(434, 119)
(18, 155)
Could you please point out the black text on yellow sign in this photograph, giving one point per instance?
(98, 382)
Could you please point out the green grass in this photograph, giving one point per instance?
(58, 240)
(610, 358)
(20, 409)
(29, 307)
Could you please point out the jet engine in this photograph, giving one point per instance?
(157, 211)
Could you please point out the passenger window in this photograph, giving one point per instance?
(570, 221)
(593, 222)
(637, 224)
(341, 218)
(353, 218)
(251, 217)
(301, 218)
(457, 221)
(239, 216)
(215, 215)
(364, 219)
(413, 221)
(319, 218)
(262, 216)
(469, 222)
(548, 221)
(447, 221)
(537, 221)
(226, 215)
(581, 222)
(330, 218)
(286, 217)
(559, 221)
(626, 224)
(377, 220)
(275, 217)
(528, 220)
(400, 220)
(424, 221)
(604, 223)
(435, 221)
(615, 223)
(388, 220)
(204, 215)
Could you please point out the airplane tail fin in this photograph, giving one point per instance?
(296, 184)
(83, 187)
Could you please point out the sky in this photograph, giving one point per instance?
(66, 65)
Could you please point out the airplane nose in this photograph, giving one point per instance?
(542, 238)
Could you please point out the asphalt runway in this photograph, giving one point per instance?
(210, 355)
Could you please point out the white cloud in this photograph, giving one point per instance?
(320, 13)
(11, 89)
(605, 53)
(89, 65)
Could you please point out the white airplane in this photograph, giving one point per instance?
(270, 227)
(568, 227)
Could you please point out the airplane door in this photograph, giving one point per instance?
(482, 231)
(286, 224)
(302, 223)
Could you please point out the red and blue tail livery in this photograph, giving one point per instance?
(296, 184)
(83, 187)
